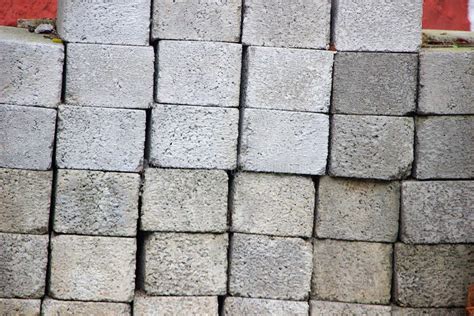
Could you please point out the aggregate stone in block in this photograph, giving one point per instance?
(433, 275)
(184, 200)
(177, 305)
(355, 272)
(194, 137)
(31, 68)
(270, 267)
(320, 308)
(20, 307)
(405, 311)
(100, 138)
(199, 73)
(374, 147)
(52, 307)
(109, 75)
(273, 204)
(96, 203)
(92, 268)
(283, 141)
(237, 306)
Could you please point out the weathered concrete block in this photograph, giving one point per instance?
(357, 210)
(194, 137)
(374, 147)
(444, 147)
(283, 141)
(270, 267)
(23, 260)
(26, 137)
(404, 311)
(12, 306)
(237, 306)
(272, 204)
(109, 75)
(184, 200)
(96, 203)
(282, 23)
(52, 307)
(185, 264)
(375, 83)
(355, 272)
(318, 308)
(177, 305)
(100, 138)
(199, 73)
(92, 268)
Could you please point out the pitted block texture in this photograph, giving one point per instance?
(20, 307)
(318, 308)
(175, 305)
(52, 307)
(405, 311)
(237, 306)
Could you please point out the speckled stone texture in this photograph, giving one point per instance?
(20, 307)
(319, 308)
(175, 305)
(237, 306)
(405, 311)
(52, 307)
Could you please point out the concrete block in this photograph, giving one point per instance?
(52, 307)
(318, 308)
(237, 306)
(175, 305)
(373, 147)
(96, 203)
(23, 260)
(375, 83)
(353, 272)
(109, 75)
(31, 68)
(92, 268)
(270, 267)
(444, 147)
(272, 204)
(185, 264)
(198, 73)
(404, 311)
(100, 138)
(303, 24)
(283, 141)
(373, 25)
(357, 210)
(432, 275)
(194, 137)
(26, 137)
(182, 200)
(12, 306)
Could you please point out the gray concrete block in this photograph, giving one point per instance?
(375, 83)
(357, 210)
(270, 267)
(51, 307)
(321, 308)
(20, 307)
(183, 200)
(26, 137)
(373, 25)
(353, 272)
(100, 138)
(194, 137)
(198, 73)
(31, 68)
(185, 264)
(432, 275)
(304, 24)
(109, 75)
(175, 305)
(237, 306)
(272, 204)
(405, 311)
(283, 141)
(373, 147)
(23, 260)
(92, 268)
(96, 203)
(444, 147)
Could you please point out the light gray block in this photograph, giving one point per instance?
(404, 311)
(320, 308)
(96, 203)
(183, 200)
(283, 141)
(100, 138)
(272, 204)
(92, 268)
(354, 272)
(198, 73)
(26, 137)
(177, 305)
(194, 137)
(270, 267)
(373, 147)
(237, 306)
(20, 307)
(51, 307)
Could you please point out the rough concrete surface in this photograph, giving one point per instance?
(20, 307)
(177, 305)
(321, 308)
(237, 306)
(51, 307)
(405, 311)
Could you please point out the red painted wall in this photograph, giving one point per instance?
(11, 10)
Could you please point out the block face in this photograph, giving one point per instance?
(374, 147)
(336, 308)
(96, 203)
(172, 305)
(270, 267)
(375, 83)
(199, 73)
(109, 76)
(236, 306)
(85, 142)
(283, 141)
(404, 311)
(194, 137)
(12, 306)
(272, 204)
(52, 307)
(183, 200)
